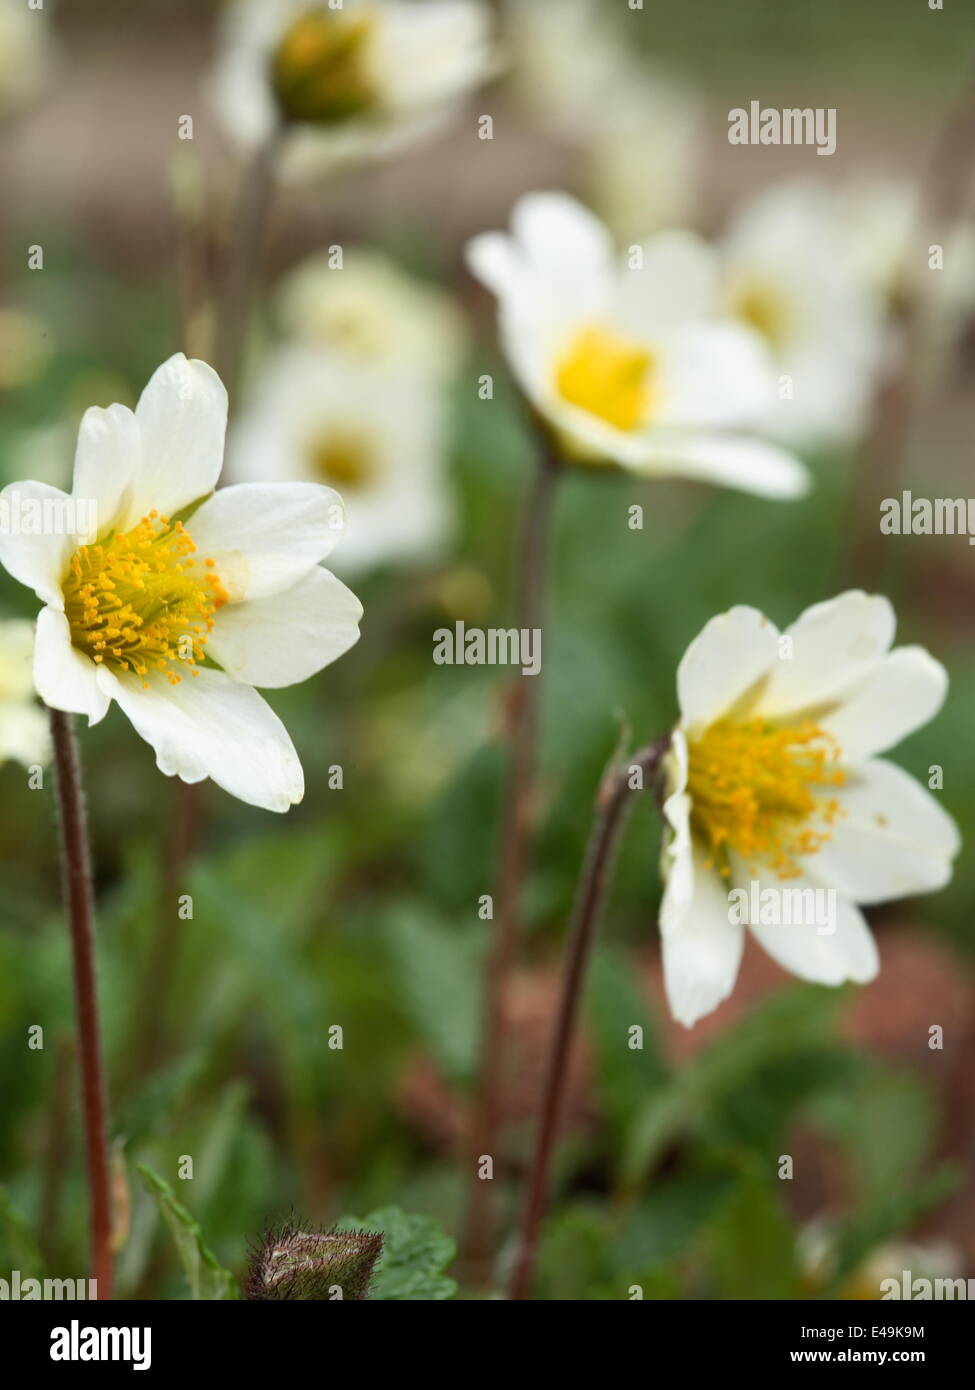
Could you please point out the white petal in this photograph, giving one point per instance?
(892, 840)
(834, 644)
(677, 281)
(65, 678)
(210, 726)
(904, 690)
(107, 460)
(182, 417)
(284, 639)
(493, 259)
(748, 464)
(38, 561)
(701, 949)
(264, 537)
(807, 948)
(560, 237)
(730, 654)
(24, 734)
(714, 376)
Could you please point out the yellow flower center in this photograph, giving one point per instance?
(765, 308)
(139, 601)
(343, 459)
(317, 70)
(608, 375)
(758, 789)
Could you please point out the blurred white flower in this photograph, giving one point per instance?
(24, 732)
(637, 130)
(25, 54)
(624, 357)
(893, 244)
(349, 80)
(222, 588)
(375, 429)
(790, 269)
(817, 1251)
(773, 780)
(370, 312)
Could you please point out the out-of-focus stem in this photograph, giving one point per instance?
(76, 869)
(616, 795)
(517, 816)
(243, 262)
(884, 451)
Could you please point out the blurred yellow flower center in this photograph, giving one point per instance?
(317, 70)
(343, 459)
(608, 375)
(758, 789)
(766, 308)
(139, 602)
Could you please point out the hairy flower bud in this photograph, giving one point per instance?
(288, 1263)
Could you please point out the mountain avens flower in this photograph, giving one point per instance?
(23, 727)
(184, 599)
(625, 356)
(347, 81)
(774, 784)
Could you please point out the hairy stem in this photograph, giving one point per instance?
(76, 870)
(616, 795)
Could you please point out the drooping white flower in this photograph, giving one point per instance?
(625, 357)
(789, 268)
(370, 312)
(636, 130)
(25, 53)
(376, 430)
(349, 80)
(774, 781)
(23, 728)
(185, 599)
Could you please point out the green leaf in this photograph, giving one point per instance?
(626, 1075)
(436, 969)
(19, 1238)
(208, 1280)
(416, 1252)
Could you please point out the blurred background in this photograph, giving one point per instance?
(360, 908)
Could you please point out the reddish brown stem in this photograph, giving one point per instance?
(517, 815)
(615, 798)
(76, 871)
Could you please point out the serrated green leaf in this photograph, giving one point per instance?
(416, 1252)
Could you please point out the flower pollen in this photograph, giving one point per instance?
(138, 601)
(609, 376)
(758, 789)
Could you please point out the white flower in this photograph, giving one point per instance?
(630, 365)
(187, 598)
(23, 727)
(372, 313)
(774, 782)
(25, 54)
(637, 130)
(789, 268)
(376, 430)
(351, 80)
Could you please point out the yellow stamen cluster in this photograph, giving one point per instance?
(758, 789)
(766, 309)
(343, 459)
(609, 376)
(318, 72)
(139, 600)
